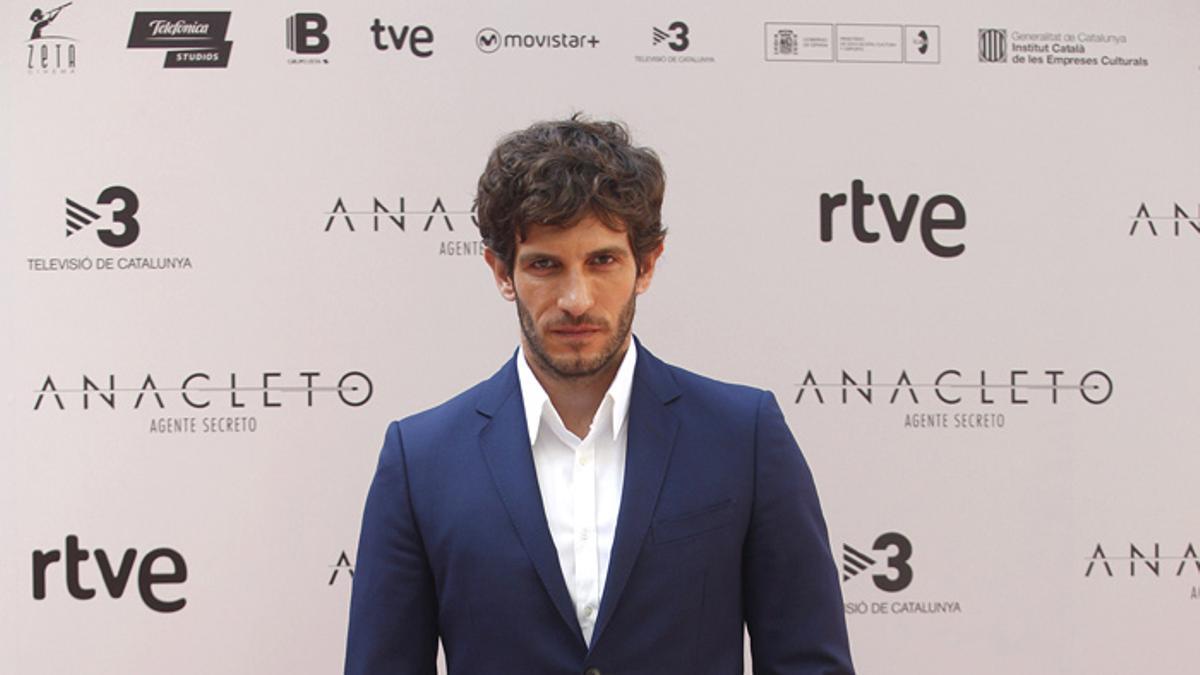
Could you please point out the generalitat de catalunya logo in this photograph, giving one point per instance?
(1058, 48)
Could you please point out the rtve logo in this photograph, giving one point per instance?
(898, 224)
(417, 39)
(114, 574)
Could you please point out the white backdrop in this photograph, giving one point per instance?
(238, 270)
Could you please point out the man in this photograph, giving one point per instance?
(590, 509)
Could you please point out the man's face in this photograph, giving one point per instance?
(575, 290)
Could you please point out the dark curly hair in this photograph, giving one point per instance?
(557, 172)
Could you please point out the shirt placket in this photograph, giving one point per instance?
(587, 556)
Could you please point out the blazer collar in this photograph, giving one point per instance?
(652, 431)
(613, 409)
(505, 444)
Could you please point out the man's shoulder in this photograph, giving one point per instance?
(725, 414)
(451, 412)
(692, 381)
(711, 393)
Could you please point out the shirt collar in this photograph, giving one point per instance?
(537, 401)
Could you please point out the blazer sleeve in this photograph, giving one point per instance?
(793, 602)
(393, 606)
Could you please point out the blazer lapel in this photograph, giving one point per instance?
(652, 429)
(505, 443)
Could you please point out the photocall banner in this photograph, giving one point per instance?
(958, 243)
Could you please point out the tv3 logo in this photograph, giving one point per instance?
(678, 31)
(80, 216)
(898, 550)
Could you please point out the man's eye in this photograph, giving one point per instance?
(542, 264)
(605, 259)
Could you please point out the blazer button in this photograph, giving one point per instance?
(592, 671)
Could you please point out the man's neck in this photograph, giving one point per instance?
(576, 398)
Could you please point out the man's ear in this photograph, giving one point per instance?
(647, 273)
(500, 274)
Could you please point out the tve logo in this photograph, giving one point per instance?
(898, 223)
(114, 574)
(416, 39)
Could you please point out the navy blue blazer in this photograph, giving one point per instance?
(719, 524)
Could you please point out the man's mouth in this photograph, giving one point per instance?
(576, 331)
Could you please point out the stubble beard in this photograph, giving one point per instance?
(577, 366)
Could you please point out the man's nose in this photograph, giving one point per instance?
(576, 297)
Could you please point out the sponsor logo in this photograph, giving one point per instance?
(957, 389)
(888, 564)
(1056, 48)
(1179, 220)
(47, 52)
(490, 40)
(993, 45)
(114, 573)
(675, 36)
(192, 39)
(896, 548)
(401, 215)
(920, 41)
(307, 36)
(852, 42)
(938, 213)
(343, 564)
(224, 398)
(669, 45)
(80, 216)
(113, 217)
(417, 40)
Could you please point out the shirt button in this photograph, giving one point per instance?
(587, 612)
(584, 535)
(584, 460)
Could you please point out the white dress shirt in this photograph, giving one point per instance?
(580, 481)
